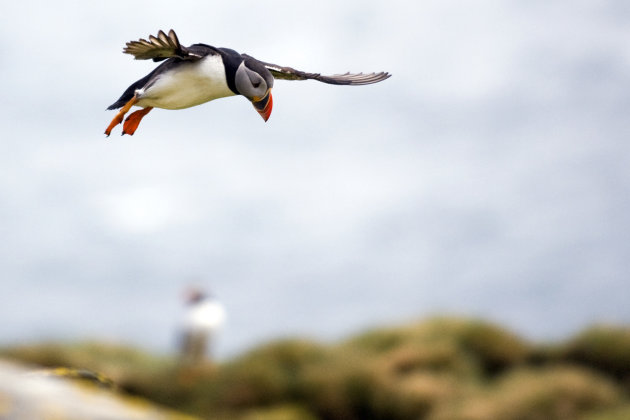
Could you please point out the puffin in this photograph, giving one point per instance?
(199, 73)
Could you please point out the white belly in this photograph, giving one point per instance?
(189, 84)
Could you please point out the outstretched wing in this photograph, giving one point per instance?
(159, 48)
(289, 73)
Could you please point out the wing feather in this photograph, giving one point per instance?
(159, 48)
(289, 73)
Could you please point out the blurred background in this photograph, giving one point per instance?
(488, 177)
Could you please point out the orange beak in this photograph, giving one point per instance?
(264, 105)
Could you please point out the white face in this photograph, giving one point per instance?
(250, 84)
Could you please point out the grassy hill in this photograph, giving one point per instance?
(439, 369)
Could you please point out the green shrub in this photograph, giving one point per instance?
(555, 393)
(340, 386)
(615, 413)
(439, 369)
(605, 348)
(282, 412)
(496, 348)
(450, 343)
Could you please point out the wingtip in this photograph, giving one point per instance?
(143, 49)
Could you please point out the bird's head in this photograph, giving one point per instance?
(254, 81)
(194, 295)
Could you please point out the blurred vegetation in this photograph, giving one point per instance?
(439, 369)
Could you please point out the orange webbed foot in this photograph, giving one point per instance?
(133, 120)
(120, 115)
(117, 120)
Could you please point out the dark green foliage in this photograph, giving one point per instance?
(446, 342)
(559, 392)
(444, 368)
(605, 348)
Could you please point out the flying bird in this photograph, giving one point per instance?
(190, 76)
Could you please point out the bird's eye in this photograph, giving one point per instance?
(256, 84)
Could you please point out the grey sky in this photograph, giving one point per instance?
(489, 176)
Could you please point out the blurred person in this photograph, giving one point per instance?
(203, 318)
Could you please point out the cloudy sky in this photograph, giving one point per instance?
(488, 177)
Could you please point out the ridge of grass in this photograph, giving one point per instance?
(437, 369)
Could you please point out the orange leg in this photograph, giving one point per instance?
(121, 114)
(133, 120)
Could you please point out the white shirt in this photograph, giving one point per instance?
(206, 315)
